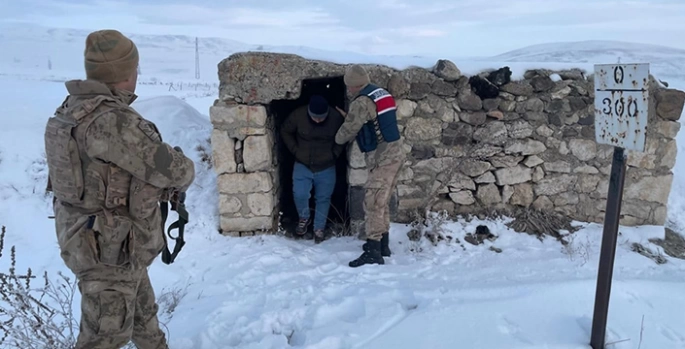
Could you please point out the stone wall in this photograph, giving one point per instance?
(472, 143)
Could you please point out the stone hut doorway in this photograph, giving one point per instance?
(333, 89)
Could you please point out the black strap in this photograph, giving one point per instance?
(167, 256)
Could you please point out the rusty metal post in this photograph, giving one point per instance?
(608, 251)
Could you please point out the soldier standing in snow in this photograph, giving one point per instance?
(372, 121)
(108, 170)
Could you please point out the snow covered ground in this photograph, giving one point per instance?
(271, 292)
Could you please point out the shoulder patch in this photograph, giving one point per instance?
(150, 130)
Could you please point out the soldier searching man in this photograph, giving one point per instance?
(372, 121)
(108, 170)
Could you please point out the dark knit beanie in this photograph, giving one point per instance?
(110, 57)
(318, 107)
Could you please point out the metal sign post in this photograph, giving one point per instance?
(621, 107)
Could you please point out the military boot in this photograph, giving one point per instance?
(372, 255)
(385, 245)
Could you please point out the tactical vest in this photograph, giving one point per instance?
(382, 128)
(85, 184)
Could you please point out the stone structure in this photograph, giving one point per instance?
(530, 144)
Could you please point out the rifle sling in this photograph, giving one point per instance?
(167, 256)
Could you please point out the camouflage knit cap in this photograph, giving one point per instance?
(356, 76)
(110, 57)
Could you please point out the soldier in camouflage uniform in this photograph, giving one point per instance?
(108, 170)
(372, 121)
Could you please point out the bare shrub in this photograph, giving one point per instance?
(577, 250)
(205, 156)
(431, 226)
(35, 317)
(168, 301)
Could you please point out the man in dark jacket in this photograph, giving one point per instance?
(309, 133)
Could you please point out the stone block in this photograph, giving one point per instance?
(423, 129)
(669, 103)
(668, 129)
(525, 147)
(488, 194)
(245, 183)
(406, 173)
(659, 215)
(557, 166)
(586, 169)
(228, 223)
(261, 204)
(239, 120)
(460, 181)
(405, 109)
(405, 190)
(583, 149)
(494, 132)
(474, 168)
(257, 153)
(464, 197)
(532, 161)
(229, 204)
(555, 185)
(223, 152)
(446, 70)
(523, 195)
(513, 175)
(543, 203)
(473, 118)
(519, 129)
(486, 177)
(651, 189)
(357, 177)
(505, 160)
(667, 154)
(468, 100)
(507, 193)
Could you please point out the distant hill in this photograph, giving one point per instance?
(51, 52)
(664, 61)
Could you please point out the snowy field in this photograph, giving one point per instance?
(272, 292)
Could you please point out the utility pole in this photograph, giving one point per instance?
(197, 59)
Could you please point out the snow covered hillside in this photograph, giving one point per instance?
(273, 293)
(664, 61)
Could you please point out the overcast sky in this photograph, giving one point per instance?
(415, 27)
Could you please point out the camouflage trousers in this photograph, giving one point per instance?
(117, 306)
(379, 188)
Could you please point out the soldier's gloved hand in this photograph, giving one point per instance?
(166, 195)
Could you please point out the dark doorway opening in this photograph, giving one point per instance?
(333, 89)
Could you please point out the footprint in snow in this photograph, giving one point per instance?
(508, 327)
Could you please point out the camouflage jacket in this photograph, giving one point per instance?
(363, 109)
(108, 169)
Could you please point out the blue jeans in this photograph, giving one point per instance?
(324, 184)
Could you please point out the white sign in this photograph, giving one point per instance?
(621, 105)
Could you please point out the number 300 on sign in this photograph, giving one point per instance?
(620, 106)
